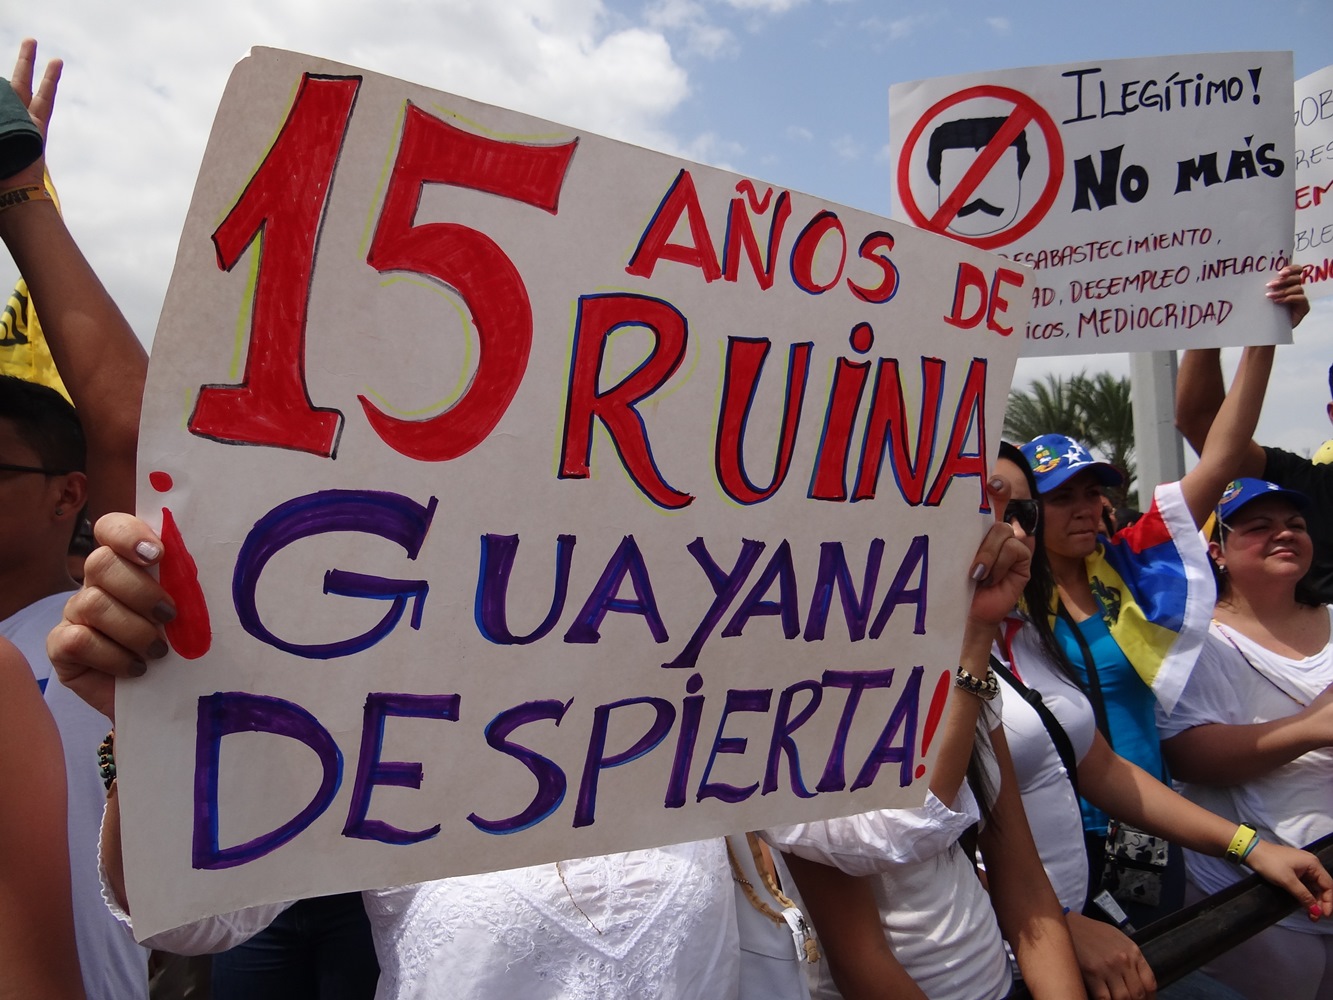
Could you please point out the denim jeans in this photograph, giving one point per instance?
(317, 949)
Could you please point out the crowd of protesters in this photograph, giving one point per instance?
(1096, 668)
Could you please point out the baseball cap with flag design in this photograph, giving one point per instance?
(1055, 458)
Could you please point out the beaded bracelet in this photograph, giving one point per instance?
(983, 689)
(106, 760)
(22, 195)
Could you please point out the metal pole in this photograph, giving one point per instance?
(1158, 454)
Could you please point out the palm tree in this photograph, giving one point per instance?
(1094, 410)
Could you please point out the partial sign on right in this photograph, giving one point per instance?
(1314, 181)
(1152, 196)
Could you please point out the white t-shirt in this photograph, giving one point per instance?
(1048, 797)
(936, 915)
(646, 925)
(114, 967)
(1290, 805)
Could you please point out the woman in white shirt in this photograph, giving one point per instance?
(1252, 735)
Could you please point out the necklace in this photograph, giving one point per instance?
(561, 872)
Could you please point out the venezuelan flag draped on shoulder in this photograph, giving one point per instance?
(1155, 585)
(23, 350)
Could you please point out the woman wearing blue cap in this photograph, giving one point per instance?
(1252, 733)
(1131, 610)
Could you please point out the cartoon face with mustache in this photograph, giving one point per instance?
(993, 204)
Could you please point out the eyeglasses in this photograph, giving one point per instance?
(1024, 513)
(5, 467)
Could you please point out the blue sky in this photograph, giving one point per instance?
(794, 92)
(801, 94)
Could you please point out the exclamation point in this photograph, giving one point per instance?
(937, 701)
(190, 632)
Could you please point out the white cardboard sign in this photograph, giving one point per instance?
(545, 497)
(1151, 196)
(1314, 181)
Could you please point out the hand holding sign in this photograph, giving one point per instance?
(113, 626)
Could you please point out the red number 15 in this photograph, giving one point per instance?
(284, 206)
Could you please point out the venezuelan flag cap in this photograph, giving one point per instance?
(1239, 492)
(1054, 458)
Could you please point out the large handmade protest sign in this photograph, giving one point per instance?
(1151, 196)
(1314, 181)
(543, 497)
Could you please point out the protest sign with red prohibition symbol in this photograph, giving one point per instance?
(975, 128)
(1153, 197)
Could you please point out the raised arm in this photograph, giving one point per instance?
(1026, 907)
(100, 360)
(1199, 395)
(1001, 568)
(1199, 387)
(1228, 444)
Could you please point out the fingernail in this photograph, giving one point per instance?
(158, 649)
(148, 551)
(164, 612)
(138, 669)
(1316, 911)
(996, 484)
(979, 572)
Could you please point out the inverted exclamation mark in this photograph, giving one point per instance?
(933, 716)
(190, 632)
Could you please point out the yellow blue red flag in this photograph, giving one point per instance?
(1156, 588)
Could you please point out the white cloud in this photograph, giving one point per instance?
(847, 148)
(898, 28)
(715, 151)
(765, 6)
(690, 18)
(1000, 25)
(798, 133)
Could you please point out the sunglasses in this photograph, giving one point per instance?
(1024, 513)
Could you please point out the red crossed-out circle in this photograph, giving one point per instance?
(1025, 111)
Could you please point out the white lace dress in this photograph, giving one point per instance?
(647, 925)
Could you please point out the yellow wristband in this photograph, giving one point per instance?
(1241, 843)
(20, 195)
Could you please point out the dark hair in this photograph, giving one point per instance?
(970, 133)
(1330, 381)
(1039, 593)
(46, 421)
